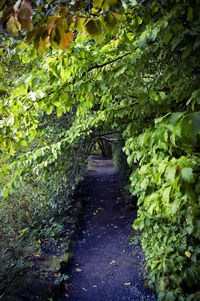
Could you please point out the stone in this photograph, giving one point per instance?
(32, 289)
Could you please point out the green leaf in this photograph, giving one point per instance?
(195, 126)
(167, 36)
(166, 194)
(170, 296)
(59, 111)
(11, 121)
(49, 109)
(189, 14)
(23, 143)
(170, 174)
(175, 205)
(187, 52)
(187, 174)
(160, 119)
(133, 2)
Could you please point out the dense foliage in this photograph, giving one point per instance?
(140, 82)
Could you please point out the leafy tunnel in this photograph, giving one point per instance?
(117, 77)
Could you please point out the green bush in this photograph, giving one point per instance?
(31, 216)
(167, 183)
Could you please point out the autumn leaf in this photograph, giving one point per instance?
(24, 14)
(59, 38)
(11, 23)
(94, 28)
(68, 38)
(112, 262)
(127, 283)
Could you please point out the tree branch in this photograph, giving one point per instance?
(107, 63)
(84, 73)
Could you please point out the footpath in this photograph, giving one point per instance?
(105, 266)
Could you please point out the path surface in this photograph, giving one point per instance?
(106, 267)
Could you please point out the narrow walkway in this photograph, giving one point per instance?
(106, 267)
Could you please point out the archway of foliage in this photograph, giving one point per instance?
(143, 84)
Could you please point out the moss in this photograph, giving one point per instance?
(52, 263)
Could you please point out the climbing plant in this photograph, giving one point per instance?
(129, 68)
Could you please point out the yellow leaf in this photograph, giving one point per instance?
(37, 255)
(11, 150)
(188, 254)
(127, 283)
(39, 241)
(113, 261)
(94, 286)
(13, 26)
(78, 270)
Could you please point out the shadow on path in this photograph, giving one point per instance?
(106, 267)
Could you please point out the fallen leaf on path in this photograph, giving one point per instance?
(78, 270)
(85, 289)
(66, 295)
(127, 283)
(94, 286)
(113, 261)
(115, 227)
(94, 213)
